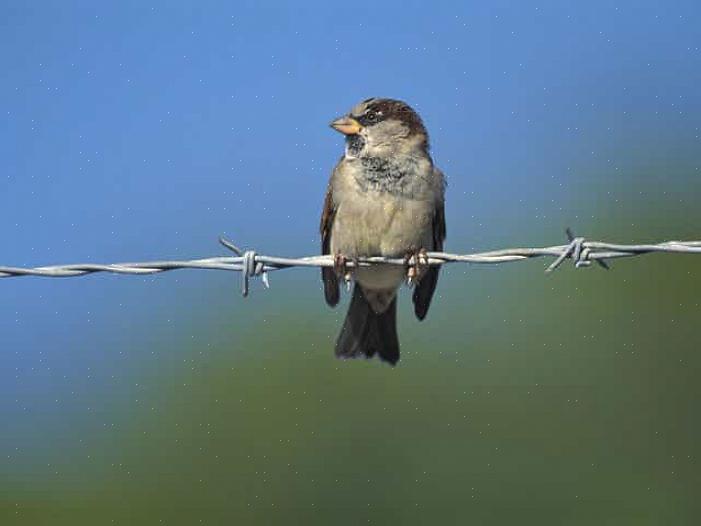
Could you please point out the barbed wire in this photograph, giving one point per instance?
(249, 263)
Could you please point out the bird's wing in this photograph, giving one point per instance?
(427, 285)
(328, 274)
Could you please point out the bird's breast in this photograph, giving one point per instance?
(376, 222)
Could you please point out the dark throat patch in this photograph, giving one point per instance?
(355, 143)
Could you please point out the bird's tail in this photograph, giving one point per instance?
(366, 333)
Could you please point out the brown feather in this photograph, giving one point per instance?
(328, 274)
(423, 293)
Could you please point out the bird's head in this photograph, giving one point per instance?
(382, 128)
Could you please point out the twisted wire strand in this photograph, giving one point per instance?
(250, 264)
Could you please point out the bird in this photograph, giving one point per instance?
(385, 198)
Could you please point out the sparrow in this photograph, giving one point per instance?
(385, 198)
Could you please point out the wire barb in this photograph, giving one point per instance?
(578, 251)
(252, 264)
(251, 267)
(228, 244)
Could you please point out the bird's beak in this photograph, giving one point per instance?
(346, 125)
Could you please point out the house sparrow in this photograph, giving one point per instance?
(385, 198)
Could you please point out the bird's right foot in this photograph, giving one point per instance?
(340, 266)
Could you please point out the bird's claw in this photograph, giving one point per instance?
(340, 265)
(417, 265)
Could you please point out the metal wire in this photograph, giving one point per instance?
(250, 263)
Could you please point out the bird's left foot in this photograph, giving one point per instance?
(417, 265)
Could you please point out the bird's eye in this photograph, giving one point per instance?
(371, 116)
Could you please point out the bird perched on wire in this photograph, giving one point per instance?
(385, 198)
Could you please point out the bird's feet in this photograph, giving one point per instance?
(340, 266)
(417, 265)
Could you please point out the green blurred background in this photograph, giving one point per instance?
(524, 398)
